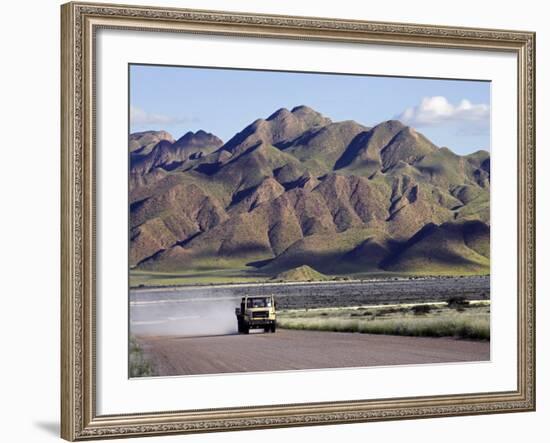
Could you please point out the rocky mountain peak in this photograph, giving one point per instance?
(279, 114)
(310, 116)
(199, 137)
(143, 142)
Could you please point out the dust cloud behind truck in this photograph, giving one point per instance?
(257, 312)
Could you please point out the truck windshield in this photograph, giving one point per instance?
(259, 303)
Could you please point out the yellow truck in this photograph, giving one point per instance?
(256, 312)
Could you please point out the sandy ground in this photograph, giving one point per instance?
(291, 350)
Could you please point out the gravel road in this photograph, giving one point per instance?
(292, 350)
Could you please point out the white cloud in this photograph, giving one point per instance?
(140, 117)
(437, 110)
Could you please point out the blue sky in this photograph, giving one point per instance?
(452, 113)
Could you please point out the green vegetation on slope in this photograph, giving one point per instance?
(322, 252)
(444, 250)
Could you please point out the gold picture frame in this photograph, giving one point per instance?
(79, 22)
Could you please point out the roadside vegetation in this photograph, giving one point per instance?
(140, 366)
(455, 318)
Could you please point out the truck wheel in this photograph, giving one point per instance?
(273, 327)
(246, 329)
(267, 329)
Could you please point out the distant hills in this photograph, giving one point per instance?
(299, 191)
(301, 273)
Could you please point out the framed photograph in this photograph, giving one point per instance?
(277, 221)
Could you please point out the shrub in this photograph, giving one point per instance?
(385, 311)
(458, 302)
(140, 366)
(421, 309)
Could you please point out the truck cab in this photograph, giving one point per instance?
(256, 312)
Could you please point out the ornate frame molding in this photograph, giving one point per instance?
(79, 22)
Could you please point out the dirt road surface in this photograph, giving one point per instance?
(292, 350)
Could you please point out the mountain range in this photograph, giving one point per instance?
(298, 189)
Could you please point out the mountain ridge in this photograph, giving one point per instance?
(279, 188)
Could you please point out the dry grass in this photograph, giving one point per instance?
(139, 365)
(472, 323)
